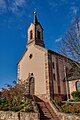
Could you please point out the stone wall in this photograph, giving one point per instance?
(18, 116)
(63, 116)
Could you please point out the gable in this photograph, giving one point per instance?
(30, 49)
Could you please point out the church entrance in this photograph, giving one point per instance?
(31, 85)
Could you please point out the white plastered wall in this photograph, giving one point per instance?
(35, 65)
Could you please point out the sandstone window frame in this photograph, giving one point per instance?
(78, 85)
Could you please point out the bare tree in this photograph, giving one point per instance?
(70, 43)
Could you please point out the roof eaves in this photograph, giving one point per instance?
(22, 56)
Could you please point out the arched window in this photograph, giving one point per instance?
(38, 34)
(31, 34)
(78, 85)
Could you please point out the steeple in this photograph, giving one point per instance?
(35, 21)
(35, 32)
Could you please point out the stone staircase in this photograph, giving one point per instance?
(46, 111)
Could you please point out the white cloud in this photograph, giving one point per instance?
(58, 40)
(3, 6)
(56, 3)
(15, 6)
(74, 10)
(0, 89)
(53, 4)
(20, 2)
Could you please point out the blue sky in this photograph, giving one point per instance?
(15, 16)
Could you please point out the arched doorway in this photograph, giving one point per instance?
(31, 86)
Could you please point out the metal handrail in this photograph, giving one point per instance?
(54, 104)
(35, 104)
(48, 110)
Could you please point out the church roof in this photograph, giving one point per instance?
(53, 52)
(74, 72)
(22, 56)
(35, 20)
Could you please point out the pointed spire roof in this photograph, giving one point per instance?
(35, 21)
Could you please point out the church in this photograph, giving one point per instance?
(45, 70)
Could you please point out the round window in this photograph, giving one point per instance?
(30, 56)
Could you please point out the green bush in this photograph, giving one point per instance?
(76, 99)
(58, 100)
(29, 109)
(67, 103)
(12, 99)
(65, 107)
(24, 104)
(5, 108)
(16, 108)
(73, 108)
(75, 94)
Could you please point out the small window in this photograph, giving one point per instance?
(59, 91)
(30, 56)
(53, 65)
(78, 85)
(31, 34)
(38, 34)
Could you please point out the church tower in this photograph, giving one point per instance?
(35, 33)
(33, 65)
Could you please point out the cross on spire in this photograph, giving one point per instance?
(35, 21)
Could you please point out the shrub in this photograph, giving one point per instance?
(73, 108)
(58, 100)
(5, 108)
(76, 99)
(65, 108)
(29, 109)
(76, 94)
(12, 99)
(16, 108)
(25, 104)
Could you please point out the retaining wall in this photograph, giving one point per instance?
(18, 116)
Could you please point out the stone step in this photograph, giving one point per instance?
(45, 110)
